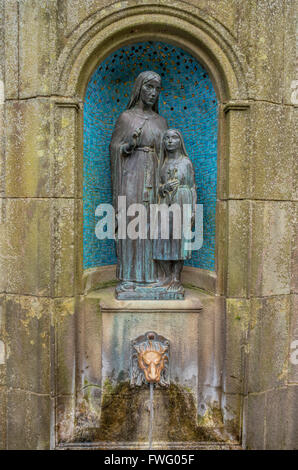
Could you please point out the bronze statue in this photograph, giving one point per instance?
(149, 166)
(177, 186)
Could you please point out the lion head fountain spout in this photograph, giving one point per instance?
(150, 359)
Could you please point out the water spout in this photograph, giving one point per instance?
(150, 365)
(151, 416)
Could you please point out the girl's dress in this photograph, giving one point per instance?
(181, 169)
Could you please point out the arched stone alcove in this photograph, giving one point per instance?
(188, 102)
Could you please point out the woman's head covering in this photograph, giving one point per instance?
(182, 144)
(142, 78)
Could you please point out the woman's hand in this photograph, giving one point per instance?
(171, 185)
(133, 141)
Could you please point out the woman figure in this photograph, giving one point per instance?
(134, 151)
(177, 186)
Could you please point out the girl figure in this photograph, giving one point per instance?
(177, 186)
(134, 150)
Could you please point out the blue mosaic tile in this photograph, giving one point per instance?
(188, 102)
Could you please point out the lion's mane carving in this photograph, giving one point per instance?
(150, 359)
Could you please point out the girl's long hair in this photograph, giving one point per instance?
(163, 147)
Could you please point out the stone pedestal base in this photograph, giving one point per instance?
(125, 320)
(149, 293)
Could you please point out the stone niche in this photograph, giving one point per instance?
(189, 103)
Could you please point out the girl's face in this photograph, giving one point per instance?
(172, 141)
(150, 92)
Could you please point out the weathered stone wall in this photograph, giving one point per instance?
(41, 224)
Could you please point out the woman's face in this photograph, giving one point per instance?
(150, 92)
(172, 141)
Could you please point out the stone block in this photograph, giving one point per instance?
(11, 49)
(265, 37)
(276, 424)
(65, 349)
(3, 342)
(231, 408)
(28, 148)
(292, 413)
(224, 11)
(79, 247)
(238, 246)
(294, 146)
(237, 325)
(65, 413)
(294, 270)
(221, 246)
(28, 421)
(89, 356)
(293, 339)
(28, 334)
(254, 422)
(2, 418)
(66, 166)
(37, 47)
(63, 260)
(3, 247)
(2, 140)
(271, 248)
(290, 58)
(272, 151)
(73, 13)
(28, 246)
(239, 154)
(211, 346)
(3, 347)
(268, 343)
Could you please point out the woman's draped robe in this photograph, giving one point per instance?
(135, 176)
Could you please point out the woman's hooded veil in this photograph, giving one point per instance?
(142, 78)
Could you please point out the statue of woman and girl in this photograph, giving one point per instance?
(150, 166)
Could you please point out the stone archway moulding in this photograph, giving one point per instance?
(112, 27)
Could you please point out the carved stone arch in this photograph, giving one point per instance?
(110, 28)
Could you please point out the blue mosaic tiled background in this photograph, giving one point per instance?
(187, 101)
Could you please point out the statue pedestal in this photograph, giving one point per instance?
(124, 320)
(149, 293)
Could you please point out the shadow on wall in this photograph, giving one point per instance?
(188, 102)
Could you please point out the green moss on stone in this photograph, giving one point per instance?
(125, 417)
(183, 422)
